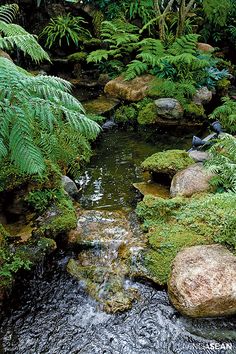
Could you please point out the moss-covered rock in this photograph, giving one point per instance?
(194, 110)
(58, 219)
(126, 114)
(167, 162)
(77, 57)
(148, 114)
(174, 224)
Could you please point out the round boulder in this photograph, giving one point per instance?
(202, 282)
(169, 108)
(194, 179)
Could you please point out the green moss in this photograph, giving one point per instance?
(126, 114)
(93, 42)
(180, 222)
(148, 114)
(77, 57)
(11, 178)
(58, 219)
(168, 162)
(194, 110)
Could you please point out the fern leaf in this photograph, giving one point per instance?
(135, 68)
(8, 12)
(98, 55)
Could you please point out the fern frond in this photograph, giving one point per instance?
(135, 68)
(98, 55)
(8, 12)
(25, 42)
(184, 44)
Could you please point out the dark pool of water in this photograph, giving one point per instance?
(52, 314)
(108, 179)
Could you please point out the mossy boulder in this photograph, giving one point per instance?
(176, 223)
(77, 57)
(167, 162)
(126, 114)
(148, 114)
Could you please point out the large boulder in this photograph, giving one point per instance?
(202, 96)
(193, 179)
(133, 90)
(167, 162)
(169, 108)
(203, 281)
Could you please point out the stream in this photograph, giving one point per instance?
(52, 313)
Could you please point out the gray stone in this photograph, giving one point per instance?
(169, 108)
(194, 179)
(202, 282)
(202, 96)
(69, 186)
(199, 156)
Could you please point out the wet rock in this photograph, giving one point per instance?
(204, 47)
(202, 96)
(167, 162)
(70, 186)
(169, 108)
(152, 188)
(194, 179)
(133, 90)
(106, 243)
(101, 105)
(199, 156)
(109, 125)
(202, 281)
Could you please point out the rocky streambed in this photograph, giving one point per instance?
(52, 312)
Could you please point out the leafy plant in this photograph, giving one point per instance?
(223, 162)
(226, 114)
(38, 117)
(65, 28)
(12, 35)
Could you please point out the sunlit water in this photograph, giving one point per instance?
(51, 313)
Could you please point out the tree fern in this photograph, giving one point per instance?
(30, 108)
(8, 12)
(12, 35)
(135, 68)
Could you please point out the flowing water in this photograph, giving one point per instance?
(51, 312)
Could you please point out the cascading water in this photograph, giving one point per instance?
(52, 313)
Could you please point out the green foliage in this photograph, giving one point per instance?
(142, 9)
(65, 29)
(183, 91)
(226, 114)
(12, 35)
(217, 11)
(121, 37)
(39, 200)
(11, 264)
(223, 163)
(8, 12)
(38, 118)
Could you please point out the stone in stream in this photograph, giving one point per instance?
(107, 243)
(203, 281)
(169, 108)
(70, 186)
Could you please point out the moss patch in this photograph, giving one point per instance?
(168, 162)
(148, 114)
(77, 57)
(180, 222)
